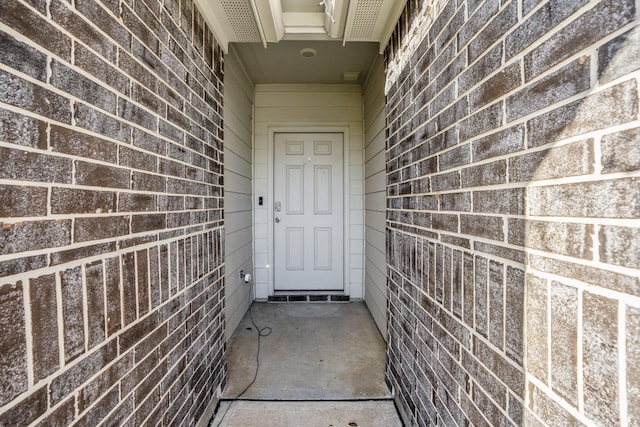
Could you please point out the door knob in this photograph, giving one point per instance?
(277, 219)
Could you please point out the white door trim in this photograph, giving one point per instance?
(309, 128)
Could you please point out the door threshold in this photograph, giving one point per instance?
(306, 296)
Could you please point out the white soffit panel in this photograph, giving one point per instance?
(372, 20)
(231, 21)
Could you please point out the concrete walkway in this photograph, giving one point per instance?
(314, 352)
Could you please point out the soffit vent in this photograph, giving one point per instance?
(242, 20)
(365, 19)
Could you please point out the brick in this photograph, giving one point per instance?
(23, 201)
(136, 71)
(79, 86)
(481, 69)
(445, 222)
(564, 341)
(74, 201)
(633, 359)
(449, 74)
(588, 274)
(488, 227)
(512, 377)
(147, 222)
(494, 30)
(446, 181)
(517, 255)
(64, 16)
(98, 228)
(23, 130)
(138, 28)
(148, 142)
(480, 122)
(171, 132)
(69, 255)
(496, 303)
(103, 19)
(135, 114)
(22, 265)
(80, 372)
(514, 314)
(13, 343)
(484, 174)
(510, 140)
(44, 326)
(507, 201)
(457, 157)
(606, 17)
(477, 20)
(147, 182)
(129, 292)
(537, 327)
(95, 175)
(63, 415)
(113, 295)
(497, 86)
(34, 235)
(70, 141)
(566, 82)
(137, 202)
(456, 202)
(27, 166)
(480, 291)
(142, 278)
(100, 385)
(549, 410)
(600, 356)
(91, 119)
(563, 161)
(72, 313)
(619, 57)
(539, 23)
(485, 379)
(621, 152)
(87, 61)
(27, 410)
(22, 19)
(95, 304)
(22, 57)
(101, 409)
(608, 199)
(564, 238)
(619, 245)
(138, 159)
(607, 108)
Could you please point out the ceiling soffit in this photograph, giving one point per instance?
(270, 21)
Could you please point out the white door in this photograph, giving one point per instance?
(308, 211)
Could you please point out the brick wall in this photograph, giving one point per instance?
(512, 214)
(111, 299)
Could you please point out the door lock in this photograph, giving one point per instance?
(277, 219)
(278, 206)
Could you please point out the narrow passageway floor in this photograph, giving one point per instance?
(308, 414)
(315, 352)
(323, 360)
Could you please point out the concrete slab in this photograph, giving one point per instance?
(315, 352)
(308, 414)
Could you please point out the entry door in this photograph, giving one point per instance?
(308, 211)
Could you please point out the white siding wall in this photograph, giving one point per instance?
(238, 111)
(375, 196)
(312, 108)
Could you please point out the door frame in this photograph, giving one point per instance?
(310, 128)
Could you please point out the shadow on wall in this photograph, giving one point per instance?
(583, 247)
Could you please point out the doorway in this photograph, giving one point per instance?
(308, 211)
